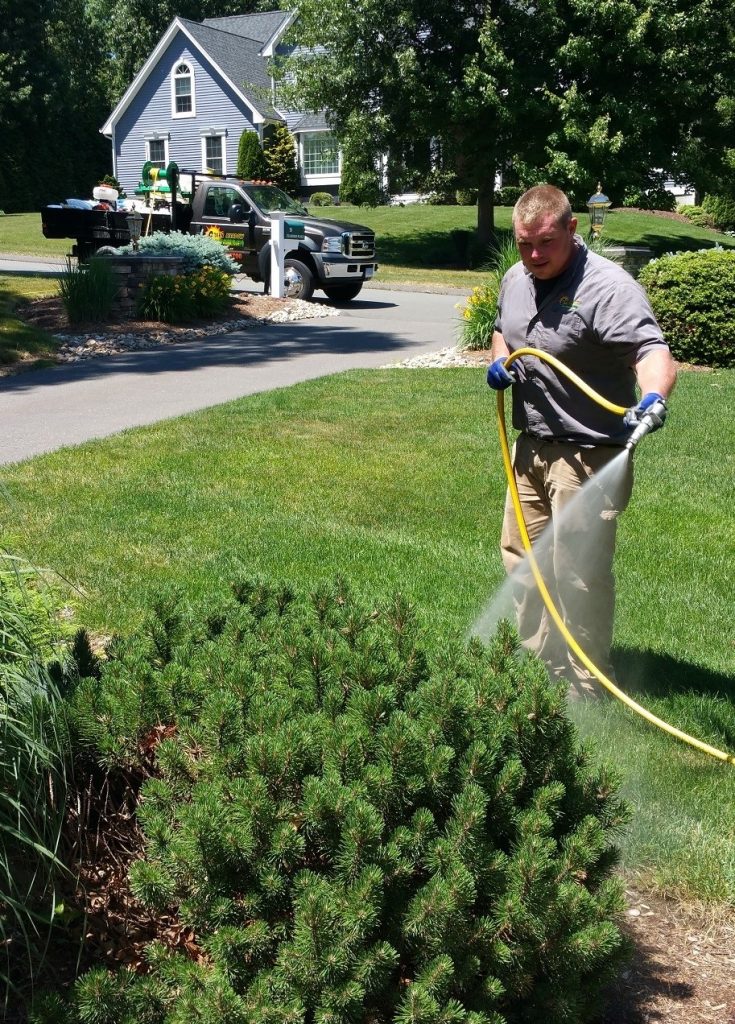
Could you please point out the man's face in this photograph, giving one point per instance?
(546, 246)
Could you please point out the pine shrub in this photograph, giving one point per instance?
(693, 297)
(250, 157)
(352, 829)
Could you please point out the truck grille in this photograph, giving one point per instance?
(361, 244)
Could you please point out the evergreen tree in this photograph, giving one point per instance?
(280, 157)
(250, 156)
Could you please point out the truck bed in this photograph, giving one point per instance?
(105, 226)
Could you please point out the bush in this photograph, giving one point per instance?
(481, 309)
(321, 199)
(467, 196)
(280, 158)
(195, 250)
(508, 195)
(696, 215)
(693, 297)
(653, 198)
(351, 830)
(87, 290)
(722, 211)
(250, 157)
(439, 188)
(203, 293)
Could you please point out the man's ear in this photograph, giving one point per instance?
(573, 226)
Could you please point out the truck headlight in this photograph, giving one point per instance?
(336, 245)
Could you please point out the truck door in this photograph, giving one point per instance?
(224, 218)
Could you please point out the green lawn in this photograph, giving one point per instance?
(393, 478)
(19, 342)
(415, 243)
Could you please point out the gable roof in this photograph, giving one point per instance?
(252, 26)
(239, 58)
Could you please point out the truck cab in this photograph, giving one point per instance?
(335, 256)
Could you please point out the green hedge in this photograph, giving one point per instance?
(722, 211)
(353, 831)
(693, 297)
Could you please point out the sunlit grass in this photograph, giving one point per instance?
(20, 343)
(394, 479)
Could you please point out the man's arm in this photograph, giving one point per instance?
(655, 372)
(498, 347)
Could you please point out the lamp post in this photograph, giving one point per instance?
(135, 224)
(598, 205)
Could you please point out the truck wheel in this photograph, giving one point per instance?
(343, 292)
(299, 280)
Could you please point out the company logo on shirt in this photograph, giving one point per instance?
(568, 304)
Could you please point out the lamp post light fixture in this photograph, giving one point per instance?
(135, 225)
(598, 205)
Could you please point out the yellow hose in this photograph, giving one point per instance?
(543, 590)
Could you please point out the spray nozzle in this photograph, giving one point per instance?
(645, 421)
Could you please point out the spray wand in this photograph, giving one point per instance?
(649, 415)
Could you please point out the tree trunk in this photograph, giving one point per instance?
(486, 214)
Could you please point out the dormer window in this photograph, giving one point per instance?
(182, 91)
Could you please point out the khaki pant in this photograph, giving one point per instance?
(575, 555)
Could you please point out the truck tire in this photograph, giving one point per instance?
(299, 280)
(343, 292)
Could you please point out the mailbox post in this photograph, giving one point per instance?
(281, 231)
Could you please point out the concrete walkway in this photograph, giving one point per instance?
(48, 409)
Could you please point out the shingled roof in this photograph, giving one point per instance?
(240, 58)
(261, 27)
(239, 46)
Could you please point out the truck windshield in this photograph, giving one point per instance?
(269, 198)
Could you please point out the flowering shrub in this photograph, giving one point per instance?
(478, 315)
(186, 296)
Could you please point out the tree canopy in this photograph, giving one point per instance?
(569, 91)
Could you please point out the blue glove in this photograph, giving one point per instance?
(652, 406)
(498, 378)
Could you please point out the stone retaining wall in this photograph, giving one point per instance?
(631, 257)
(131, 272)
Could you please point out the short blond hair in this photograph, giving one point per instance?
(540, 201)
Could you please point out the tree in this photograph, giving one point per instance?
(51, 104)
(250, 156)
(561, 90)
(280, 158)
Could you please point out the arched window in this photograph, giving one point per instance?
(182, 91)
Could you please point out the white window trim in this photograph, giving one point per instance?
(157, 138)
(218, 134)
(333, 177)
(192, 79)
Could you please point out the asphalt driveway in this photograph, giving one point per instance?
(66, 405)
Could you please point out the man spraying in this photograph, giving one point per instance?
(591, 315)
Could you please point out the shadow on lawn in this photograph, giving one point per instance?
(646, 676)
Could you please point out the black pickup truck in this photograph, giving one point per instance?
(334, 256)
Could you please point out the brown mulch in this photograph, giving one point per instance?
(49, 315)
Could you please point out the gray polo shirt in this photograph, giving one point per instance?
(596, 319)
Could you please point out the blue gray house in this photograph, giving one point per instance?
(203, 85)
